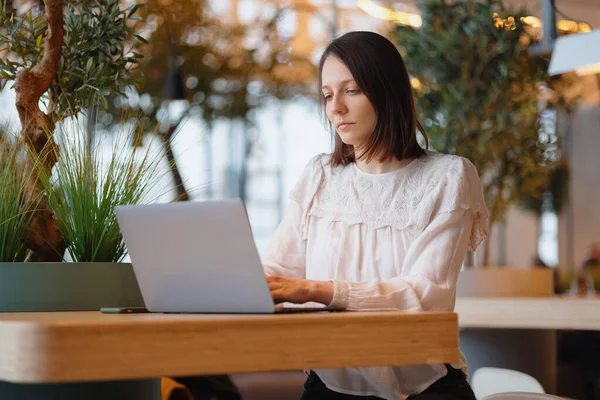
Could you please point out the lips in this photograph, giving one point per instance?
(342, 125)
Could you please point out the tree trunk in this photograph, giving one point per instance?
(182, 194)
(538, 234)
(494, 211)
(486, 251)
(208, 162)
(246, 147)
(46, 242)
(493, 217)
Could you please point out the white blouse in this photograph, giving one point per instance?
(391, 241)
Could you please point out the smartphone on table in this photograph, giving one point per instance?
(123, 310)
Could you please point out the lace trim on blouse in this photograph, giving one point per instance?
(407, 199)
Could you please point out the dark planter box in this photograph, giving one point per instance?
(67, 286)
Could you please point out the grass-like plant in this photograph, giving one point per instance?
(15, 212)
(89, 181)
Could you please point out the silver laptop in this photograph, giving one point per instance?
(197, 257)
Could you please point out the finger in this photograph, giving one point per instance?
(278, 296)
(274, 278)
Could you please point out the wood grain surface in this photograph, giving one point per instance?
(90, 346)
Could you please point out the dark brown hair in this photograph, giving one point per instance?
(379, 71)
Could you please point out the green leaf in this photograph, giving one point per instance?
(16, 26)
(132, 9)
(103, 101)
(14, 220)
(89, 65)
(140, 38)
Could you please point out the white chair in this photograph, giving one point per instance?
(489, 381)
(521, 396)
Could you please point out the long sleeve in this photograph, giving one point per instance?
(432, 265)
(456, 221)
(286, 253)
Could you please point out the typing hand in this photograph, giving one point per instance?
(299, 291)
(290, 290)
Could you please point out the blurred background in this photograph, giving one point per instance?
(231, 84)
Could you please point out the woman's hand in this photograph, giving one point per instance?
(299, 291)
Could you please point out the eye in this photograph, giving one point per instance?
(352, 91)
(327, 97)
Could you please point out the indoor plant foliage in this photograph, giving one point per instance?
(69, 56)
(482, 96)
(15, 211)
(89, 180)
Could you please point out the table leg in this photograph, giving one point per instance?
(147, 389)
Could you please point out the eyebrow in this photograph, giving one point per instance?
(341, 84)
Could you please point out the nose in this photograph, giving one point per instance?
(337, 105)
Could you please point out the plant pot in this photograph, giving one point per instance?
(142, 389)
(67, 286)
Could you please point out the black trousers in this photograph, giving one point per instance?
(453, 386)
(214, 387)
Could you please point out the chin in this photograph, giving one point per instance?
(349, 140)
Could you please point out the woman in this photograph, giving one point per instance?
(380, 223)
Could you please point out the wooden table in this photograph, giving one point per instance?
(498, 332)
(557, 312)
(54, 348)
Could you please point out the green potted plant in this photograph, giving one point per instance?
(69, 59)
(87, 182)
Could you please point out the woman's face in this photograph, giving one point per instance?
(346, 106)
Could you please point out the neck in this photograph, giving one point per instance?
(377, 167)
